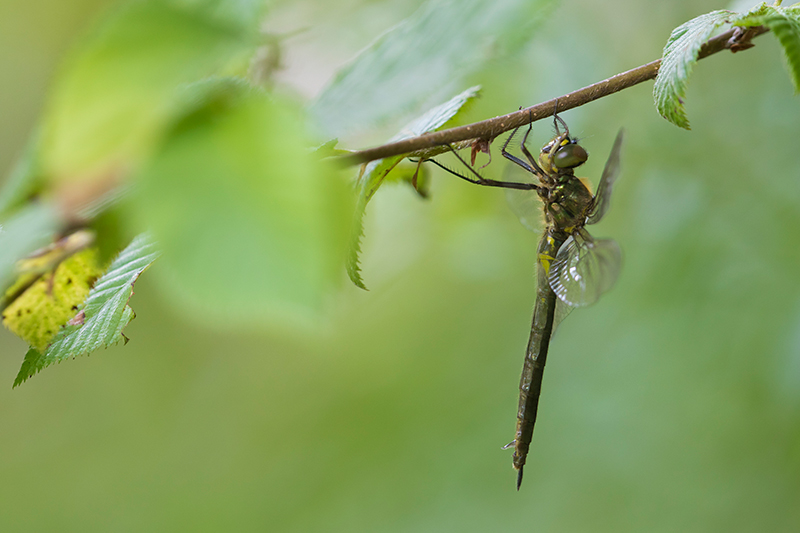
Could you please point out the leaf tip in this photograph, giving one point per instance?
(354, 269)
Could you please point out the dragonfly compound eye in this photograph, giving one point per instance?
(570, 156)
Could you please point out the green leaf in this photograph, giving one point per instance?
(105, 313)
(680, 55)
(49, 299)
(119, 89)
(375, 172)
(24, 180)
(785, 24)
(30, 229)
(423, 60)
(757, 10)
(252, 224)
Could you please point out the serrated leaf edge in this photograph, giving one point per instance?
(678, 58)
(374, 173)
(668, 93)
(83, 339)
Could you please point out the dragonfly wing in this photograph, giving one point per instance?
(562, 311)
(610, 173)
(525, 204)
(528, 208)
(584, 269)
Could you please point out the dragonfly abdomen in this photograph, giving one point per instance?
(536, 355)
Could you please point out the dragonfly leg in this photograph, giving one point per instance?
(518, 161)
(537, 169)
(477, 179)
(559, 119)
(531, 166)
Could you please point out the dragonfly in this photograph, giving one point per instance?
(573, 268)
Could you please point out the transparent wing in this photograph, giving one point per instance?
(584, 268)
(525, 204)
(610, 173)
(528, 208)
(562, 311)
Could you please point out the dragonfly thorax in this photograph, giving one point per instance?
(567, 204)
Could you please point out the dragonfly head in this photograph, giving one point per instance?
(563, 152)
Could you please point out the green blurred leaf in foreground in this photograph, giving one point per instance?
(100, 320)
(31, 228)
(117, 91)
(253, 226)
(24, 180)
(424, 59)
(375, 171)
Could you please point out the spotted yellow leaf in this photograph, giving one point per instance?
(43, 302)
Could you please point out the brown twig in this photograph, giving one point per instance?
(733, 39)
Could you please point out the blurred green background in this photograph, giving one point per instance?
(673, 404)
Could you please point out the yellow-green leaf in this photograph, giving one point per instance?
(99, 321)
(52, 299)
(119, 88)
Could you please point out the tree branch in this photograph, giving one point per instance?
(735, 39)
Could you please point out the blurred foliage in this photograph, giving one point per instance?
(146, 105)
(253, 227)
(30, 229)
(424, 60)
(673, 404)
(124, 77)
(374, 173)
